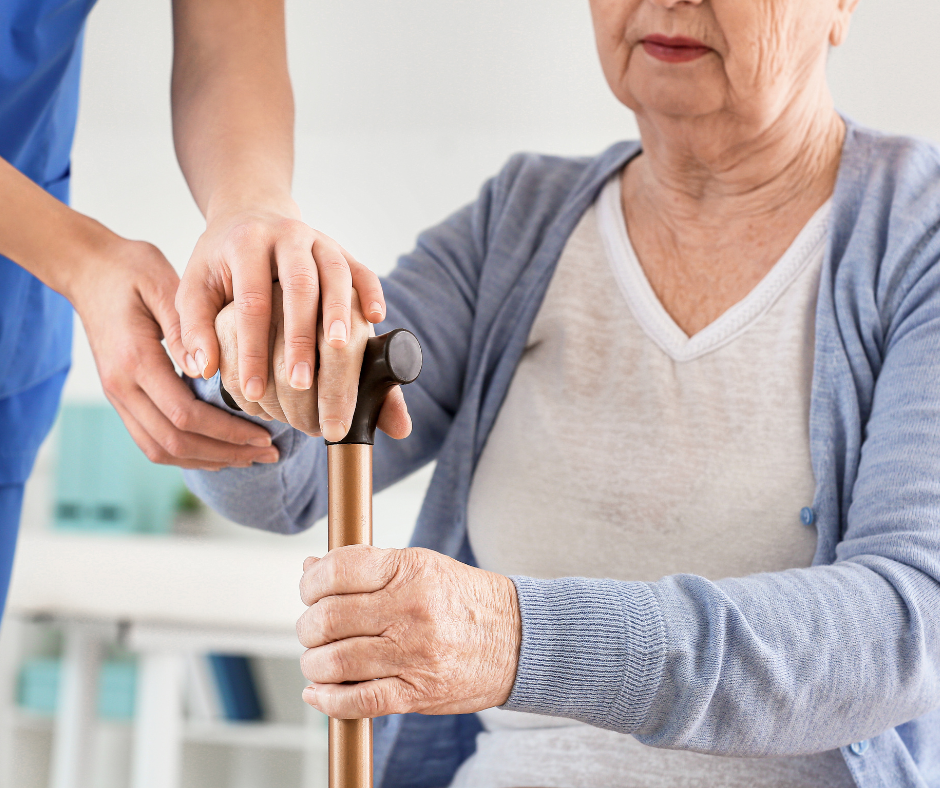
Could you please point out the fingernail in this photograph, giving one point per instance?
(310, 695)
(375, 309)
(191, 369)
(337, 331)
(269, 456)
(333, 430)
(261, 443)
(301, 377)
(254, 389)
(201, 362)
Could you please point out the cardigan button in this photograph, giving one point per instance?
(859, 747)
(807, 516)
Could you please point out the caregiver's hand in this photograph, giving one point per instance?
(437, 636)
(124, 297)
(326, 407)
(236, 261)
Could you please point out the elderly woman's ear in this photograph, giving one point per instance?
(840, 25)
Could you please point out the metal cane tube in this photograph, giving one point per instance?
(392, 359)
(350, 522)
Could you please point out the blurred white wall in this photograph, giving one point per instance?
(404, 108)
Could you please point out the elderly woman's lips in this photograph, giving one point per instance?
(674, 49)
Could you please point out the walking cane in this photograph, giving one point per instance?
(391, 359)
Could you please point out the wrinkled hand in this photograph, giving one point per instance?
(327, 406)
(125, 301)
(417, 630)
(236, 260)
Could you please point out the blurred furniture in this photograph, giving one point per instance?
(104, 482)
(165, 598)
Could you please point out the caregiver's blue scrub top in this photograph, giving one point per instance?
(40, 58)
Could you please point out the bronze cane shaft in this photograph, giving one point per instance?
(350, 522)
(391, 359)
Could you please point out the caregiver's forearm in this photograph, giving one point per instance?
(233, 110)
(55, 244)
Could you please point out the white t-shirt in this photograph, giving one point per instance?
(628, 450)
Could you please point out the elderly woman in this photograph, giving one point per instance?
(683, 401)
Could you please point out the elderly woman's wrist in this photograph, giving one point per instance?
(510, 640)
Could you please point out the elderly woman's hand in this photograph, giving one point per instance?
(327, 406)
(417, 631)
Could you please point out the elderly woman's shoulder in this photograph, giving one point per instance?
(541, 186)
(886, 212)
(902, 168)
(533, 174)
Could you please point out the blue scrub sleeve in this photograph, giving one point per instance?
(11, 504)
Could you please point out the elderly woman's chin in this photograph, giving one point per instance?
(671, 90)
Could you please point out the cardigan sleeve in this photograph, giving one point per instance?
(798, 661)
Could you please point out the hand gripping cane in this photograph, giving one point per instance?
(391, 359)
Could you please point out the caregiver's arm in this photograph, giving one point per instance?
(233, 118)
(123, 292)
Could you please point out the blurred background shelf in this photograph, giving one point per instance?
(275, 736)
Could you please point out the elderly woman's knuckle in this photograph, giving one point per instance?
(308, 665)
(327, 618)
(307, 595)
(302, 629)
(336, 665)
(371, 699)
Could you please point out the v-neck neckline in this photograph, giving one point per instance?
(648, 310)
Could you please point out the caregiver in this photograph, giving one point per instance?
(683, 402)
(233, 127)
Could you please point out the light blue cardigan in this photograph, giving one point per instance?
(843, 654)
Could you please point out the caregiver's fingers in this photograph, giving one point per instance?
(369, 288)
(355, 569)
(367, 699)
(251, 287)
(338, 378)
(298, 276)
(335, 287)
(199, 299)
(354, 659)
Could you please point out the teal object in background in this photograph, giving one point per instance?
(117, 686)
(104, 482)
(39, 686)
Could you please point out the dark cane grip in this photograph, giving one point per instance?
(393, 359)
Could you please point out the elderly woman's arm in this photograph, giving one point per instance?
(782, 663)
(791, 662)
